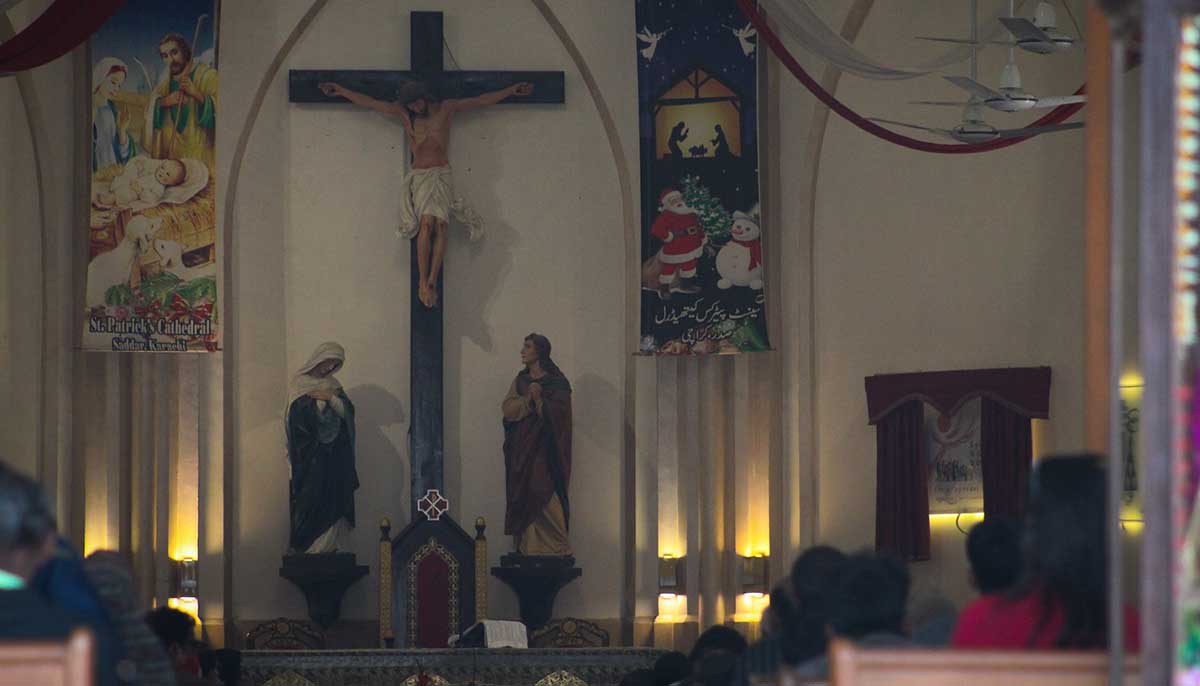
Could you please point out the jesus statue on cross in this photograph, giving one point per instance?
(427, 195)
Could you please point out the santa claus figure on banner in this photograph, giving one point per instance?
(678, 227)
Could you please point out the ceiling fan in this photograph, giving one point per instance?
(973, 129)
(1040, 36)
(1009, 98)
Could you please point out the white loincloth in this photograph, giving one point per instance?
(430, 192)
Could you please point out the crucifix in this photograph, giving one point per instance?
(379, 89)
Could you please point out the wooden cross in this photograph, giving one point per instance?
(425, 366)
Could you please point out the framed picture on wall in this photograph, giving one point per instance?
(954, 459)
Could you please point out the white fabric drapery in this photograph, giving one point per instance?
(797, 20)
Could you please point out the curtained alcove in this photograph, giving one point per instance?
(1009, 401)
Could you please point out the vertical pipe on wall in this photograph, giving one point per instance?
(74, 256)
(719, 403)
(690, 480)
(1098, 243)
(108, 476)
(163, 475)
(142, 473)
(672, 513)
(726, 465)
(648, 494)
(1113, 93)
(212, 523)
(670, 522)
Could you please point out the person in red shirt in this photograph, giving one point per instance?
(678, 227)
(1060, 602)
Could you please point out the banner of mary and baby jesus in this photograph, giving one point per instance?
(152, 241)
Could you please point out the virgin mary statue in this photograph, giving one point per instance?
(319, 423)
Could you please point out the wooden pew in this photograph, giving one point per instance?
(49, 663)
(854, 666)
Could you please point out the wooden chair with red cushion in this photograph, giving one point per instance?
(433, 581)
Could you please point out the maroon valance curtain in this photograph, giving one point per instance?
(62, 27)
(1009, 400)
(1025, 389)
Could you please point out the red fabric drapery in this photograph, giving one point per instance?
(433, 604)
(62, 27)
(901, 484)
(1057, 115)
(1006, 451)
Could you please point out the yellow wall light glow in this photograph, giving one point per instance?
(1133, 527)
(1132, 379)
(189, 606)
(185, 551)
(963, 521)
(750, 607)
(672, 610)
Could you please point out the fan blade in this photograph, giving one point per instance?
(1024, 29)
(1056, 101)
(967, 41)
(974, 87)
(938, 103)
(940, 132)
(959, 41)
(1038, 130)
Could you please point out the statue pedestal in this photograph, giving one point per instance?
(324, 580)
(536, 580)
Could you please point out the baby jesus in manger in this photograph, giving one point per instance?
(145, 182)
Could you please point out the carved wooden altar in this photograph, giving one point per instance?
(503, 667)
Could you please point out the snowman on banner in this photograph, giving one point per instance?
(739, 261)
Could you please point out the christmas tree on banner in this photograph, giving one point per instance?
(713, 217)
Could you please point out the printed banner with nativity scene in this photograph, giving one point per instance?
(702, 278)
(152, 240)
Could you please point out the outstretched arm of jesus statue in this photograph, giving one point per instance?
(394, 108)
(468, 104)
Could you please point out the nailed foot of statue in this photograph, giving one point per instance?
(428, 295)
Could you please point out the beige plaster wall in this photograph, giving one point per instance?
(21, 238)
(927, 262)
